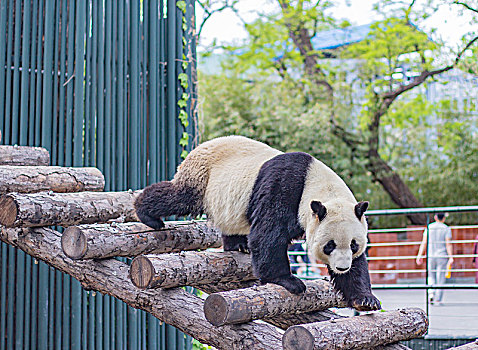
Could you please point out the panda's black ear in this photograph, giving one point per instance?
(318, 209)
(360, 208)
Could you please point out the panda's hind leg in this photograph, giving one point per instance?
(236, 243)
(164, 199)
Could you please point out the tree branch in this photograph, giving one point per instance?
(466, 6)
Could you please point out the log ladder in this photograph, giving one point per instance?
(238, 313)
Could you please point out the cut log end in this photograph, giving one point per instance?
(141, 272)
(216, 310)
(297, 338)
(8, 212)
(74, 243)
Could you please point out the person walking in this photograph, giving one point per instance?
(440, 252)
(475, 259)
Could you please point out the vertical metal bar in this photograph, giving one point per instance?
(171, 337)
(94, 68)
(84, 319)
(88, 87)
(114, 169)
(99, 322)
(171, 89)
(46, 126)
(79, 83)
(3, 51)
(16, 72)
(34, 308)
(162, 94)
(31, 114)
(8, 90)
(107, 112)
(134, 88)
(26, 44)
(19, 299)
(51, 308)
(144, 156)
(28, 301)
(100, 146)
(69, 84)
(120, 114)
(66, 311)
(61, 103)
(106, 321)
(3, 294)
(153, 99)
(39, 72)
(54, 116)
(91, 319)
(58, 309)
(43, 299)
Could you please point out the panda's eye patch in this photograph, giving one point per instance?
(329, 247)
(354, 246)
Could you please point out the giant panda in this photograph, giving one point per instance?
(261, 199)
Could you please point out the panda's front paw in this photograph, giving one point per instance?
(365, 303)
(290, 282)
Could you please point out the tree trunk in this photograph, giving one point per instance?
(24, 155)
(30, 179)
(394, 186)
(131, 239)
(176, 307)
(190, 268)
(65, 209)
(359, 332)
(268, 301)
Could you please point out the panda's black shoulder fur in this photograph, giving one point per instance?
(278, 190)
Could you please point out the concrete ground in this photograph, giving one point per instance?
(456, 316)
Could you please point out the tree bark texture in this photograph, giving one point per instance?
(176, 307)
(24, 155)
(359, 332)
(30, 179)
(190, 269)
(268, 301)
(66, 209)
(99, 241)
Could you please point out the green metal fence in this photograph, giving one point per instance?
(96, 83)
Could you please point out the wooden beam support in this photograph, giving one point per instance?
(30, 179)
(269, 301)
(176, 307)
(66, 209)
(24, 155)
(99, 241)
(190, 269)
(359, 332)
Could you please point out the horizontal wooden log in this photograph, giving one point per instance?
(189, 269)
(24, 155)
(30, 179)
(176, 307)
(268, 301)
(133, 239)
(65, 209)
(359, 332)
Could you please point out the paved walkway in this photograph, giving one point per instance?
(456, 316)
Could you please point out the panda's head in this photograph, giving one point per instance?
(338, 233)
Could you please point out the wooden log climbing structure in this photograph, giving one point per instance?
(239, 313)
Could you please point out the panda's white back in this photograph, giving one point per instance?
(237, 161)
